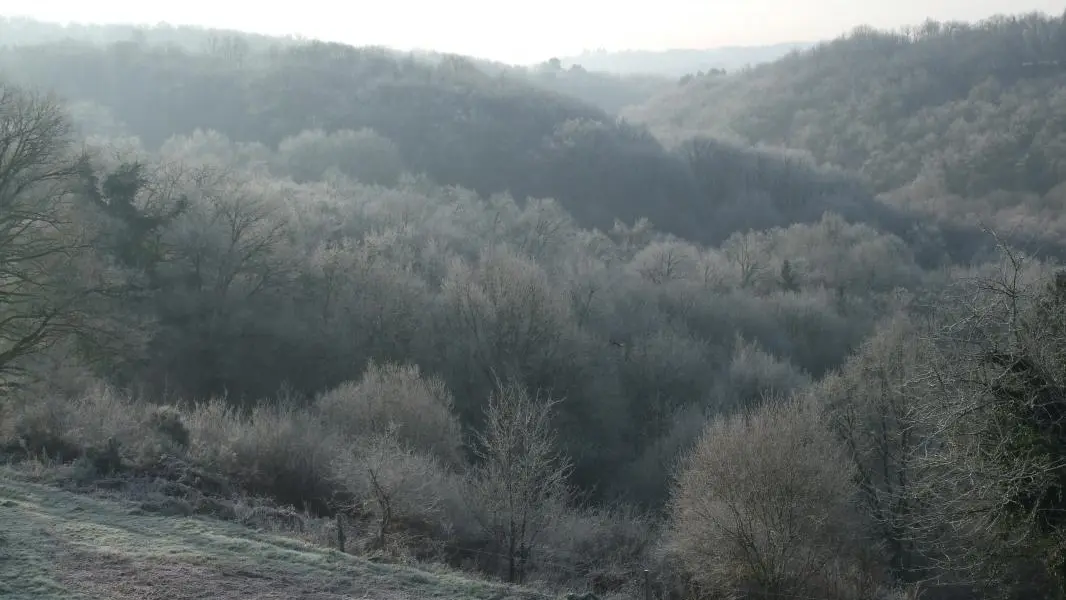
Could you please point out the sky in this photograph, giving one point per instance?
(532, 31)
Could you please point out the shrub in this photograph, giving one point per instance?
(168, 422)
(763, 505)
(108, 428)
(40, 427)
(390, 395)
(276, 451)
(403, 491)
(608, 546)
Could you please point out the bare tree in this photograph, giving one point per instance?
(873, 407)
(995, 468)
(521, 482)
(417, 405)
(43, 254)
(662, 262)
(516, 323)
(397, 485)
(747, 252)
(226, 240)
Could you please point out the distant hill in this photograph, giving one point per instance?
(483, 126)
(449, 120)
(679, 62)
(958, 121)
(611, 92)
(608, 91)
(458, 123)
(21, 31)
(983, 102)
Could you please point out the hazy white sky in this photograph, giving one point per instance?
(533, 30)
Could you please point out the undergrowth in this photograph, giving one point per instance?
(303, 473)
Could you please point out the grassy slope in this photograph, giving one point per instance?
(57, 544)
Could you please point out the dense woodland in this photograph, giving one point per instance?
(788, 340)
(943, 119)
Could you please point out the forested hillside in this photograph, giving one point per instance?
(481, 324)
(444, 118)
(954, 118)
